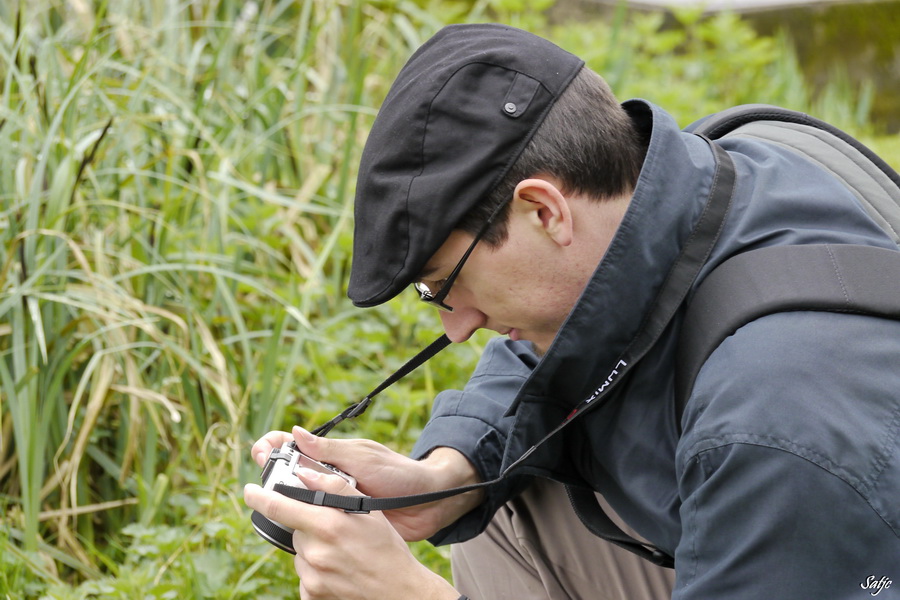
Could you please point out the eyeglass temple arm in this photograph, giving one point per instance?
(445, 289)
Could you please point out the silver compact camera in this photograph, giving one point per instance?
(280, 468)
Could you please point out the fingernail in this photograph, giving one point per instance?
(299, 431)
(308, 474)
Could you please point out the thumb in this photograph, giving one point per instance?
(333, 484)
(311, 445)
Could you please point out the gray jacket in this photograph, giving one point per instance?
(786, 480)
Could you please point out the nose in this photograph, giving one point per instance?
(460, 324)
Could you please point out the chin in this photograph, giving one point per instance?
(537, 347)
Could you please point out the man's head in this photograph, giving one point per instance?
(477, 112)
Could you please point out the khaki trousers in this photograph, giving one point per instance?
(536, 548)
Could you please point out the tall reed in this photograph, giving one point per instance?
(174, 229)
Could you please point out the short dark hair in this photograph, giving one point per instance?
(587, 141)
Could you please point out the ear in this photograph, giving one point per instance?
(543, 205)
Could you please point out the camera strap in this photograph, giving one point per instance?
(669, 299)
(354, 410)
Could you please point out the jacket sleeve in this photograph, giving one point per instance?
(474, 422)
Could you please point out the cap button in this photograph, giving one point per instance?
(509, 107)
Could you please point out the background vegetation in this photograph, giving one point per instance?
(176, 181)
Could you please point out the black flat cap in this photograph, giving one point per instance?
(455, 120)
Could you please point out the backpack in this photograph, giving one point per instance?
(844, 278)
(829, 277)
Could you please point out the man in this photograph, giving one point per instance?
(502, 178)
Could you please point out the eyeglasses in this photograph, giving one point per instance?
(436, 297)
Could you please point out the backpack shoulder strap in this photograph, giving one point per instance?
(827, 277)
(874, 183)
(729, 121)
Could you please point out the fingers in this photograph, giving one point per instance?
(334, 484)
(344, 454)
(307, 442)
(264, 445)
(355, 456)
(311, 445)
(346, 556)
(292, 513)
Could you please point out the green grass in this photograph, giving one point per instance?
(175, 227)
(175, 235)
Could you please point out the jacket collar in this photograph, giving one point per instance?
(672, 189)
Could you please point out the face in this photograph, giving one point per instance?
(526, 287)
(495, 290)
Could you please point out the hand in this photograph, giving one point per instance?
(381, 472)
(347, 556)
